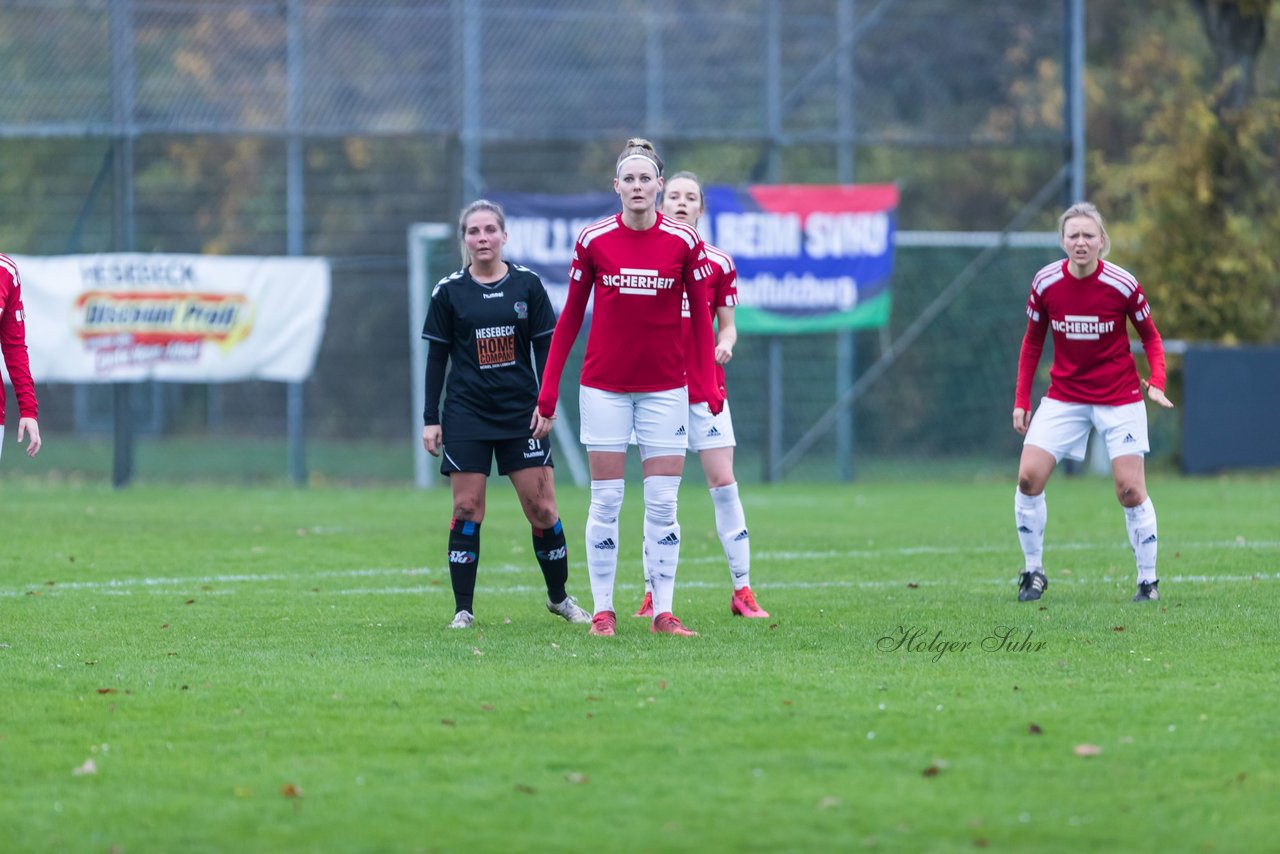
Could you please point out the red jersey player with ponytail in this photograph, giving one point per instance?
(639, 266)
(1093, 383)
(13, 344)
(712, 435)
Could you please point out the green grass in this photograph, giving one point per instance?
(209, 648)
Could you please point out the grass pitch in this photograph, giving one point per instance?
(190, 670)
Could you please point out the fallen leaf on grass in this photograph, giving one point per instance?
(1034, 729)
(189, 602)
(106, 690)
(911, 585)
(1117, 628)
(486, 707)
(476, 651)
(828, 802)
(89, 767)
(528, 790)
(289, 790)
(576, 778)
(935, 769)
(1087, 750)
(446, 722)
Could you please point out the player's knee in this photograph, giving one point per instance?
(541, 513)
(1130, 494)
(660, 494)
(606, 499)
(468, 510)
(1030, 485)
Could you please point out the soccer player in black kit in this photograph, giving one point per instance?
(486, 319)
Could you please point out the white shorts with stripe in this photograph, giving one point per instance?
(658, 420)
(707, 431)
(1062, 429)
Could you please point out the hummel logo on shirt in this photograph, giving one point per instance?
(742, 535)
(669, 540)
(1128, 437)
(606, 544)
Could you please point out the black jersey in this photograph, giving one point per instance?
(492, 384)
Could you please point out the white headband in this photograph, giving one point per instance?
(656, 167)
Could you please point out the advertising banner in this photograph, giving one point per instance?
(127, 317)
(810, 258)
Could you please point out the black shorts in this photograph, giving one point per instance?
(477, 455)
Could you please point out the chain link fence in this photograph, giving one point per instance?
(327, 127)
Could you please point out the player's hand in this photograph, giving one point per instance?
(1021, 420)
(541, 425)
(724, 352)
(432, 436)
(29, 429)
(1156, 394)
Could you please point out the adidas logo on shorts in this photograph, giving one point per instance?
(1128, 437)
(607, 544)
(669, 540)
(680, 430)
(713, 431)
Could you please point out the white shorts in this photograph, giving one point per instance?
(707, 431)
(1062, 429)
(658, 420)
(1, 439)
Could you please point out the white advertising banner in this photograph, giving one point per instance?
(126, 317)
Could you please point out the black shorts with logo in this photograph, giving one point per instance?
(477, 455)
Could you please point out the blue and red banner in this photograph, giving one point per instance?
(810, 258)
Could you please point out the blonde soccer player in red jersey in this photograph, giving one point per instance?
(13, 344)
(638, 266)
(711, 435)
(1093, 384)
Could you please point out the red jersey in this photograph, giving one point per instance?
(1091, 358)
(722, 291)
(639, 280)
(13, 340)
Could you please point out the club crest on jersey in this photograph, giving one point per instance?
(522, 309)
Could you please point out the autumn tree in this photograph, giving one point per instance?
(1198, 189)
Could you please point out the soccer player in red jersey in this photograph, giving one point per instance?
(13, 344)
(1093, 383)
(483, 322)
(639, 266)
(712, 435)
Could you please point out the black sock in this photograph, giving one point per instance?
(553, 556)
(464, 557)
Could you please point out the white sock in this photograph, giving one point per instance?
(731, 525)
(644, 564)
(602, 540)
(1030, 513)
(1140, 522)
(662, 538)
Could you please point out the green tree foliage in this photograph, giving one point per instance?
(1195, 192)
